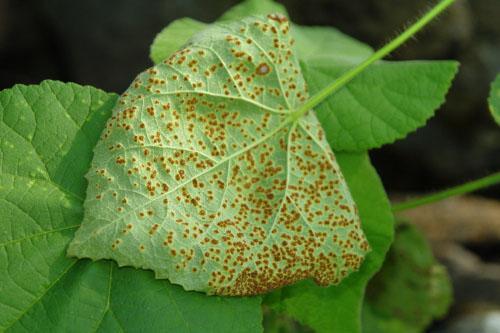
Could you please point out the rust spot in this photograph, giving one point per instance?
(262, 69)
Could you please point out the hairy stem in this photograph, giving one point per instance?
(457, 190)
(381, 53)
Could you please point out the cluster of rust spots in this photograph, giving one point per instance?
(214, 178)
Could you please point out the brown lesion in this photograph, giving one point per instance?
(263, 69)
(280, 18)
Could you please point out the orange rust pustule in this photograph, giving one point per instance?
(278, 18)
(263, 69)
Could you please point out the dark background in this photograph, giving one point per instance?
(106, 44)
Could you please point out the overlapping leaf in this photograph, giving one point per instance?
(47, 134)
(385, 103)
(494, 99)
(338, 308)
(205, 176)
(410, 291)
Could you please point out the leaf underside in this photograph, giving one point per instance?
(204, 177)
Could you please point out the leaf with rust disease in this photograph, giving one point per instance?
(205, 175)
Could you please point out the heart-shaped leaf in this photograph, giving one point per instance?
(205, 175)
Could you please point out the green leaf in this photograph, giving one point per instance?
(47, 134)
(253, 7)
(338, 308)
(494, 99)
(173, 36)
(384, 103)
(410, 291)
(92, 297)
(328, 47)
(204, 176)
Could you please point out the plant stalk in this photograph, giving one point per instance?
(457, 190)
(381, 53)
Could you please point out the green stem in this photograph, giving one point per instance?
(381, 53)
(457, 190)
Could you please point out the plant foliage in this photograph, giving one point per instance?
(494, 99)
(205, 175)
(49, 134)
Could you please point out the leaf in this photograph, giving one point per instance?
(411, 290)
(47, 133)
(205, 176)
(384, 103)
(338, 308)
(494, 99)
(102, 297)
(178, 32)
(173, 36)
(328, 47)
(253, 7)
(279, 323)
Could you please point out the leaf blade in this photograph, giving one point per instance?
(385, 103)
(225, 101)
(325, 54)
(173, 36)
(42, 289)
(410, 277)
(338, 308)
(494, 99)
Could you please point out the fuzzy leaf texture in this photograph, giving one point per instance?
(47, 133)
(494, 99)
(204, 175)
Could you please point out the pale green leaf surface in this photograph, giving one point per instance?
(173, 36)
(253, 7)
(338, 308)
(494, 99)
(203, 176)
(46, 140)
(410, 290)
(178, 32)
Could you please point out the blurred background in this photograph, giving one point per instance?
(106, 44)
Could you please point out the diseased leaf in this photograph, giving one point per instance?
(338, 308)
(205, 175)
(178, 32)
(173, 36)
(410, 291)
(47, 133)
(385, 103)
(253, 7)
(494, 99)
